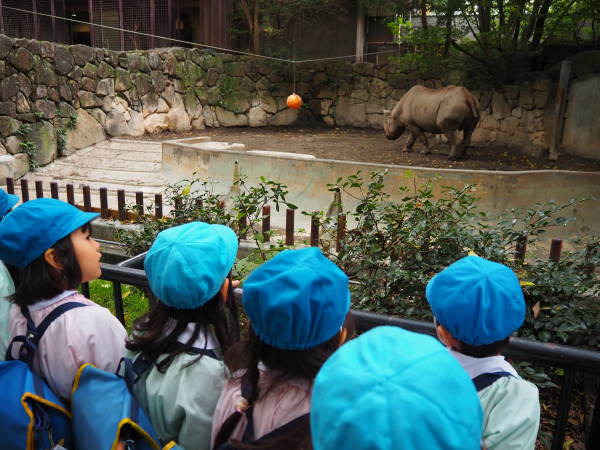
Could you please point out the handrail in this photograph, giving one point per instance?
(569, 358)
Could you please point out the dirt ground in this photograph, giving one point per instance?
(372, 146)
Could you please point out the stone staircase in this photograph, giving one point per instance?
(114, 164)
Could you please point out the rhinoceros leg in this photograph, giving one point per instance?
(457, 147)
(418, 133)
(410, 141)
(468, 133)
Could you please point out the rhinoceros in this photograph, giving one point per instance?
(439, 111)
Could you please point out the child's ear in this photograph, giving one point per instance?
(343, 336)
(224, 289)
(445, 337)
(52, 258)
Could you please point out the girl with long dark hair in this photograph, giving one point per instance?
(177, 346)
(298, 305)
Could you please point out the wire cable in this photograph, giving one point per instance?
(209, 47)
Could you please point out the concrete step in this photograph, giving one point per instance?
(119, 165)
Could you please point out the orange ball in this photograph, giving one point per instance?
(294, 101)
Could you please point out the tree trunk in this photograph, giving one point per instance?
(531, 24)
(424, 14)
(256, 31)
(449, 17)
(501, 14)
(539, 25)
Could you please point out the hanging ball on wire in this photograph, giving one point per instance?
(294, 101)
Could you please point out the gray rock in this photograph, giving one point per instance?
(500, 107)
(360, 94)
(45, 107)
(350, 112)
(39, 92)
(319, 107)
(88, 84)
(105, 70)
(24, 84)
(122, 80)
(99, 115)
(134, 61)
(8, 109)
(526, 100)
(158, 81)
(282, 118)
(512, 92)
(136, 124)
(7, 167)
(156, 123)
(43, 135)
(9, 87)
(87, 132)
(178, 118)
(267, 102)
(13, 145)
(323, 91)
(155, 61)
(76, 73)
(63, 60)
(235, 69)
(89, 100)
(82, 54)
(543, 85)
(517, 112)
(375, 106)
(106, 87)
(257, 117)
(150, 101)
(486, 99)
(64, 89)
(6, 45)
(540, 98)
(364, 68)
(65, 110)
(229, 119)
(90, 71)
(47, 49)
(21, 165)
(115, 124)
(380, 89)
(22, 104)
(21, 59)
(143, 84)
(509, 125)
(376, 121)
(397, 80)
(27, 117)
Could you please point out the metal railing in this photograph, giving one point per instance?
(572, 360)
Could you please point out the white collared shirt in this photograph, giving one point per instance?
(478, 366)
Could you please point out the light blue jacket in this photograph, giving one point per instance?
(7, 288)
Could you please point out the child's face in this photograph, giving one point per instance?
(88, 256)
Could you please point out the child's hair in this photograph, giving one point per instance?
(40, 281)
(483, 351)
(149, 329)
(242, 361)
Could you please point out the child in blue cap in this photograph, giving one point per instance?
(7, 287)
(394, 389)
(298, 304)
(179, 343)
(477, 305)
(50, 242)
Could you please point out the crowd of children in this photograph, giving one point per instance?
(296, 377)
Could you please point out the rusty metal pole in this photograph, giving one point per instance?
(561, 97)
(314, 229)
(36, 22)
(87, 199)
(521, 249)
(121, 204)
(153, 23)
(170, 19)
(341, 232)
(104, 214)
(158, 207)
(10, 185)
(1, 18)
(555, 250)
(266, 223)
(39, 189)
(54, 189)
(70, 194)
(24, 190)
(289, 227)
(53, 18)
(139, 200)
(121, 27)
(91, 20)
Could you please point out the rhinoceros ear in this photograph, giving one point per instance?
(387, 112)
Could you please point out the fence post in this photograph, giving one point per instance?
(341, 232)
(85, 289)
(314, 229)
(521, 249)
(54, 189)
(564, 406)
(10, 182)
(139, 199)
(118, 297)
(555, 249)
(289, 226)
(39, 189)
(158, 208)
(266, 223)
(104, 214)
(24, 190)
(121, 204)
(87, 199)
(70, 194)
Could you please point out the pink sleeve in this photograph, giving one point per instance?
(230, 395)
(90, 335)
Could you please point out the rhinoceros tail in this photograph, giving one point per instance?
(473, 104)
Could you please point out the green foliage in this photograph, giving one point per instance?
(28, 147)
(61, 136)
(395, 248)
(72, 123)
(39, 115)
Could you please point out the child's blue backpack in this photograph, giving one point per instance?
(106, 412)
(31, 416)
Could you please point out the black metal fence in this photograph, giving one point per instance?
(572, 360)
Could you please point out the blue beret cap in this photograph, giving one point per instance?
(297, 300)
(394, 389)
(188, 264)
(36, 226)
(7, 201)
(479, 302)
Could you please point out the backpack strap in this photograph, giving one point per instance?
(487, 379)
(248, 437)
(33, 334)
(144, 361)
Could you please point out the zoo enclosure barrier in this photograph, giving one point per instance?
(122, 214)
(573, 360)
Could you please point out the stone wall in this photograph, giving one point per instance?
(128, 94)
